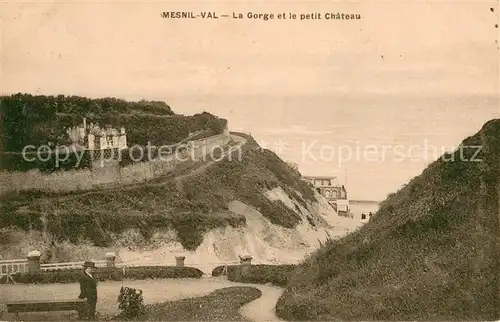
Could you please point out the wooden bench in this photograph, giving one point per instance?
(45, 306)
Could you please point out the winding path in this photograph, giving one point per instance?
(155, 291)
(263, 308)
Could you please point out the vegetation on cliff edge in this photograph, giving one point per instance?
(36, 120)
(191, 206)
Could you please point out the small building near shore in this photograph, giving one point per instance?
(333, 191)
(328, 186)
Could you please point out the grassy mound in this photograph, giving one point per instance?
(430, 252)
(190, 206)
(220, 305)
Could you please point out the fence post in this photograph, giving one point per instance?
(179, 261)
(245, 263)
(110, 259)
(246, 260)
(224, 270)
(33, 261)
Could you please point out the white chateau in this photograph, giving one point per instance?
(92, 137)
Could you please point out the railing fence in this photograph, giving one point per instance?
(12, 266)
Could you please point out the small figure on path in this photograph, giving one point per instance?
(88, 290)
(363, 216)
(370, 214)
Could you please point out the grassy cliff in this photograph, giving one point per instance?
(430, 253)
(191, 201)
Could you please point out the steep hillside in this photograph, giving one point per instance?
(431, 252)
(215, 209)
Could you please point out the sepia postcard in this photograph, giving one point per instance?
(249, 160)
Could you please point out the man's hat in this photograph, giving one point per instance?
(89, 264)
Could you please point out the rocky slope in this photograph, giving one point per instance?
(431, 252)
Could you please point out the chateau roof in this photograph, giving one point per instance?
(111, 131)
(334, 179)
(320, 177)
(97, 131)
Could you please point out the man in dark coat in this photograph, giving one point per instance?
(88, 290)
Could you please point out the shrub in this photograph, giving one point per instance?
(105, 274)
(260, 274)
(131, 302)
(15, 161)
(144, 272)
(66, 276)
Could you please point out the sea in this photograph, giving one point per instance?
(374, 144)
(359, 207)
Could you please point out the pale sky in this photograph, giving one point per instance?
(255, 72)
